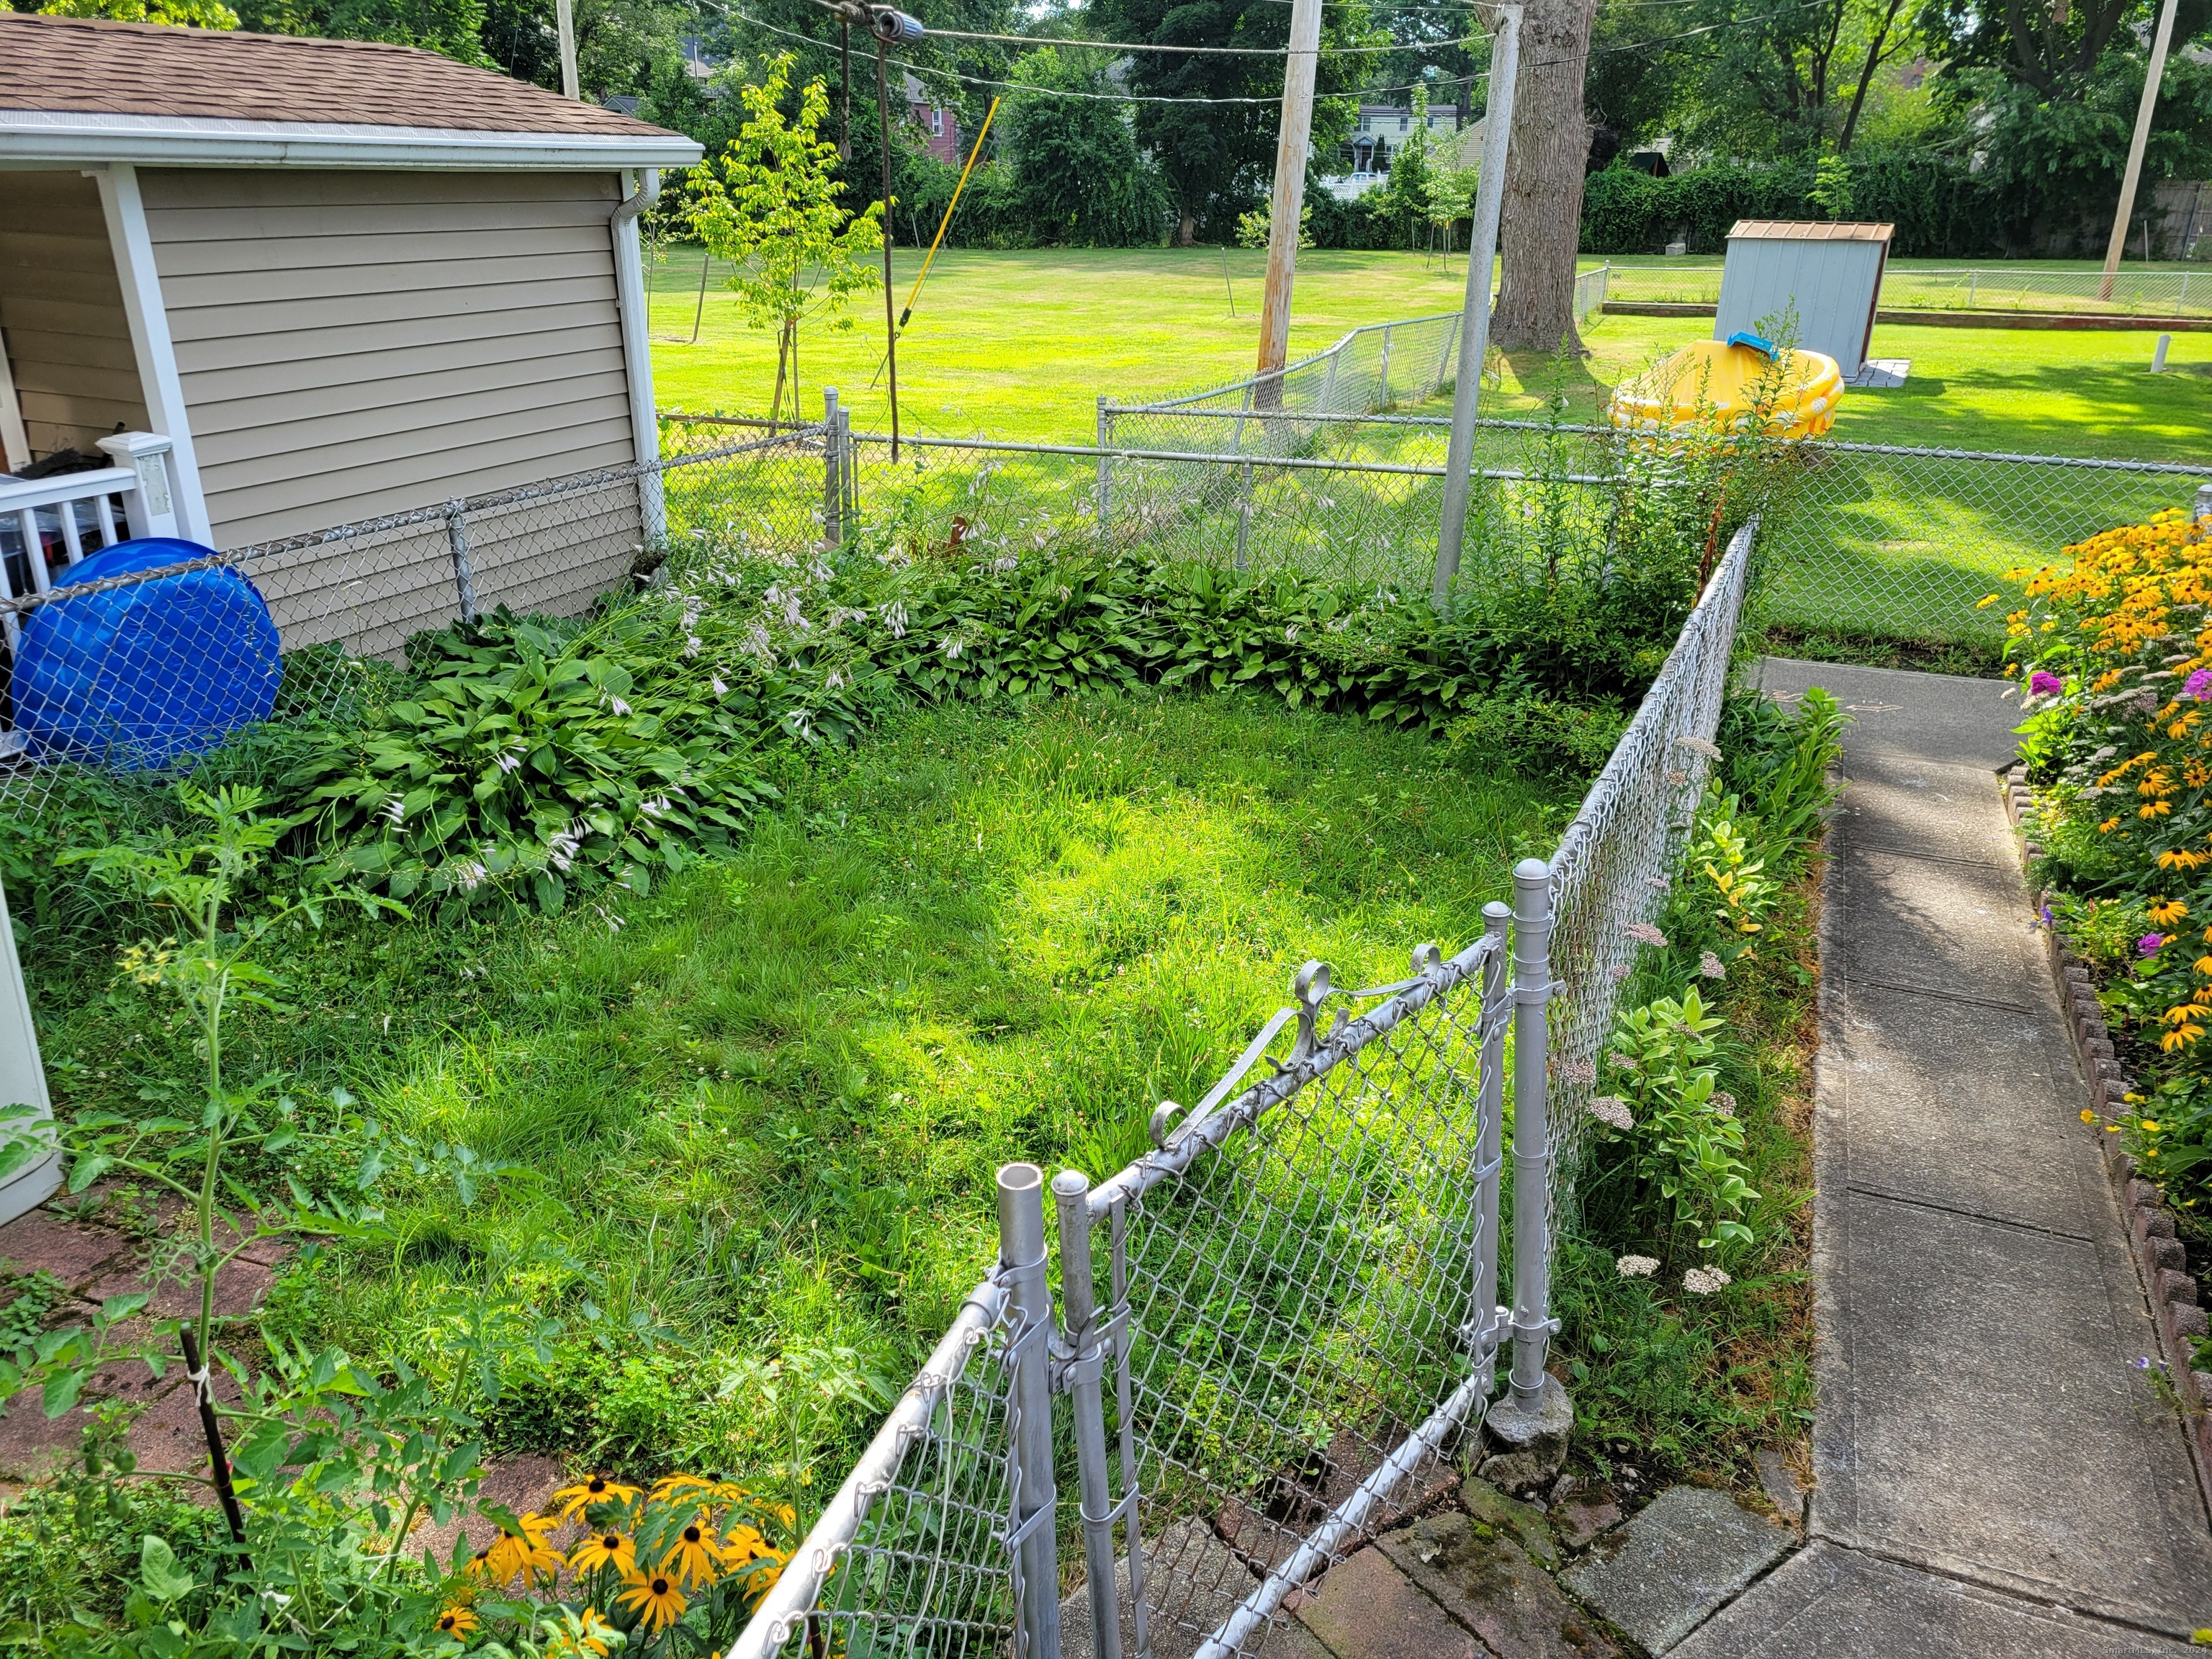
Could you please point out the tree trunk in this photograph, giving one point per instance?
(1541, 224)
(1187, 229)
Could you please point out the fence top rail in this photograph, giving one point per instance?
(1213, 458)
(1312, 1057)
(551, 489)
(791, 1597)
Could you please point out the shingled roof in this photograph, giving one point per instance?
(75, 65)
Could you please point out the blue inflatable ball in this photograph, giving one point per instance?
(148, 675)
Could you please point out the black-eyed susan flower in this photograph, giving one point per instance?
(587, 1495)
(2166, 912)
(604, 1548)
(656, 1598)
(457, 1621)
(524, 1551)
(672, 1485)
(696, 1557)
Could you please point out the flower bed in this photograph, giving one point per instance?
(2116, 652)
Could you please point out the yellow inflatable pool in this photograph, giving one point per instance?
(1730, 381)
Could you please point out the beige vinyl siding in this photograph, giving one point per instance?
(61, 313)
(356, 345)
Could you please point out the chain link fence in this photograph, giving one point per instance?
(141, 664)
(1274, 1329)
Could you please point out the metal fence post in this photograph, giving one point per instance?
(833, 471)
(2203, 500)
(1105, 467)
(1485, 1319)
(1532, 1149)
(457, 538)
(1383, 392)
(1021, 1256)
(1085, 1357)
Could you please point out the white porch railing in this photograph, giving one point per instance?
(47, 524)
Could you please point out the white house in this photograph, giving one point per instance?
(1384, 130)
(290, 284)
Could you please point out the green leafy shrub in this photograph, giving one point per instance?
(1685, 1142)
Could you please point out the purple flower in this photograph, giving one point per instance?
(2147, 945)
(2198, 686)
(2043, 684)
(2049, 921)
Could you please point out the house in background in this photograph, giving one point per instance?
(312, 283)
(939, 123)
(1384, 130)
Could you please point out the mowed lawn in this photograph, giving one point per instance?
(1022, 345)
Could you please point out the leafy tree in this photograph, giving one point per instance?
(1216, 157)
(769, 205)
(193, 13)
(1075, 159)
(1797, 83)
(1541, 220)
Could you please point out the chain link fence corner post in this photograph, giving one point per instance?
(833, 474)
(456, 540)
(1084, 1351)
(1022, 1258)
(1486, 1320)
(1532, 1139)
(2204, 506)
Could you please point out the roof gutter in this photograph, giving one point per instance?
(75, 138)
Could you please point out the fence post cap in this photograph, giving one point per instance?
(129, 446)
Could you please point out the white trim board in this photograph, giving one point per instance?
(69, 137)
(149, 342)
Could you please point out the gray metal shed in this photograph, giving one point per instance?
(1832, 272)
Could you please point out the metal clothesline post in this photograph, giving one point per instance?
(1021, 1259)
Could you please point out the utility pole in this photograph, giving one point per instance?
(1290, 196)
(2159, 43)
(565, 15)
(1474, 317)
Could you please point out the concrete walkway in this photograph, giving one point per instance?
(1992, 1478)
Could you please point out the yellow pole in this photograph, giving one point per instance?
(906, 310)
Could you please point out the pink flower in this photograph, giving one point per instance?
(1645, 933)
(2198, 686)
(2042, 684)
(2149, 945)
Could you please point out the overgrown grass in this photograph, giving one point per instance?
(759, 1120)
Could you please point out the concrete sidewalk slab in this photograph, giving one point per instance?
(1831, 1603)
(1979, 1437)
(1688, 1553)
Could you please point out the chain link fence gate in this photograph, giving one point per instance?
(102, 673)
(1275, 1326)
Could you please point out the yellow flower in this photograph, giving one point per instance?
(658, 1602)
(524, 1551)
(2087, 1117)
(696, 1558)
(457, 1621)
(670, 1485)
(1985, 604)
(2180, 1037)
(589, 1494)
(2149, 1125)
(2164, 913)
(604, 1548)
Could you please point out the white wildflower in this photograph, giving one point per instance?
(395, 808)
(507, 761)
(1612, 1110)
(1710, 966)
(715, 681)
(1700, 746)
(656, 808)
(792, 617)
(1645, 933)
(893, 616)
(1723, 1103)
(1620, 972)
(620, 709)
(1659, 883)
(950, 646)
(1580, 1072)
(757, 643)
(1289, 633)
(1704, 1281)
(562, 846)
(470, 875)
(1008, 563)
(836, 680)
(692, 645)
(1635, 1266)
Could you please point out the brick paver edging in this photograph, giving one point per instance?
(2177, 1300)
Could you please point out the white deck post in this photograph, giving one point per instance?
(33, 1177)
(152, 505)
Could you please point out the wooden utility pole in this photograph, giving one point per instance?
(2129, 180)
(1290, 196)
(565, 16)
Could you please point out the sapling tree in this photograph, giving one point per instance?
(769, 206)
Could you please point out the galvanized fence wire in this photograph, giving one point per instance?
(915, 1552)
(143, 673)
(2179, 294)
(1616, 863)
(1303, 1314)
